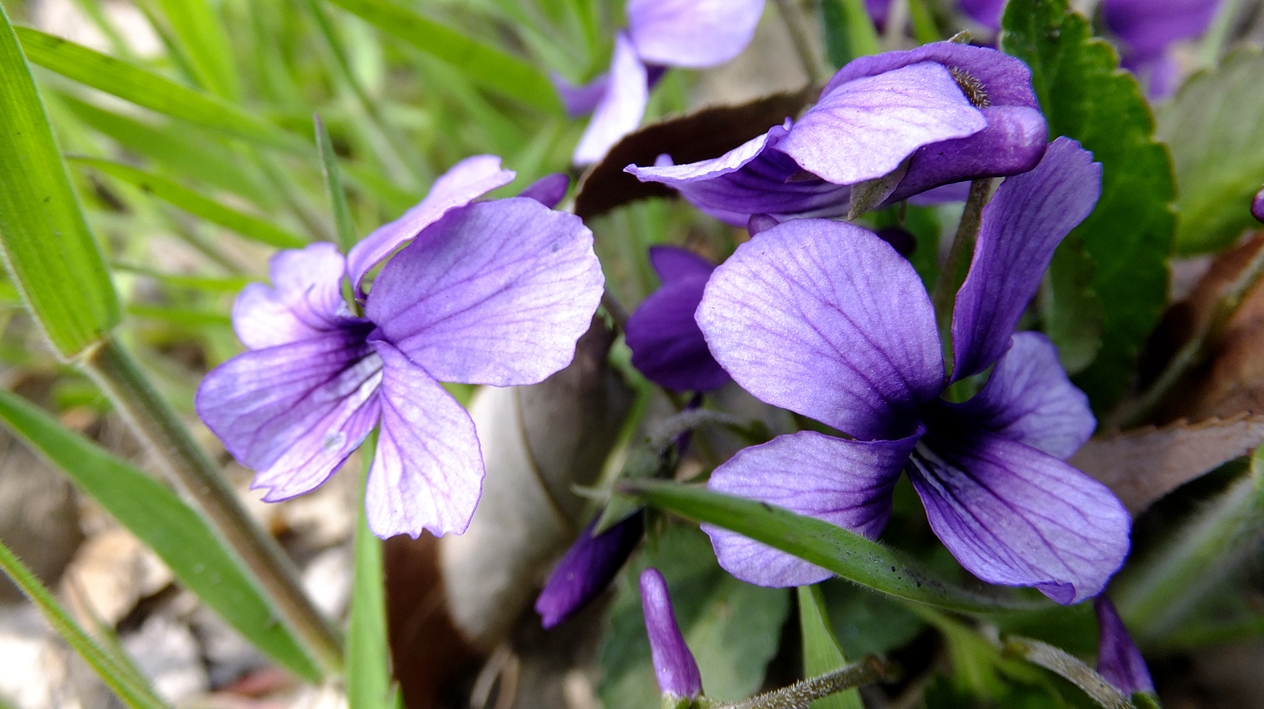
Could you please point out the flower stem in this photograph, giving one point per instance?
(800, 694)
(799, 37)
(958, 262)
(151, 418)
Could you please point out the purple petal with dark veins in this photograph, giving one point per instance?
(1118, 659)
(620, 110)
(1006, 80)
(1016, 516)
(428, 470)
(304, 301)
(1027, 218)
(493, 293)
(548, 190)
(667, 346)
(466, 181)
(692, 33)
(847, 483)
(863, 129)
(580, 100)
(1029, 399)
(296, 411)
(827, 320)
(673, 263)
(674, 666)
(587, 569)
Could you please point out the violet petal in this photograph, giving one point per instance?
(673, 263)
(844, 482)
(1006, 80)
(667, 346)
(1118, 659)
(1257, 206)
(1027, 218)
(296, 411)
(674, 666)
(548, 190)
(493, 293)
(827, 320)
(428, 471)
(863, 129)
(1016, 516)
(620, 110)
(464, 182)
(692, 33)
(1147, 27)
(587, 569)
(305, 300)
(580, 100)
(1029, 399)
(985, 12)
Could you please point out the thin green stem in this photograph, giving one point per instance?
(958, 263)
(799, 37)
(113, 370)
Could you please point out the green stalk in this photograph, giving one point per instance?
(801, 694)
(958, 263)
(113, 370)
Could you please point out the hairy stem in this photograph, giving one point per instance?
(801, 694)
(112, 368)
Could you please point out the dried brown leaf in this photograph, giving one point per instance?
(1143, 465)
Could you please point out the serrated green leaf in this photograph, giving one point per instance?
(201, 34)
(251, 227)
(118, 679)
(48, 248)
(153, 91)
(484, 64)
(1085, 96)
(1215, 130)
(168, 526)
(843, 552)
(821, 652)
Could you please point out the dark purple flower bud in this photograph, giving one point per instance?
(667, 346)
(1146, 28)
(1118, 659)
(587, 568)
(1257, 206)
(677, 671)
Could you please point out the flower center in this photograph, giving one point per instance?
(975, 93)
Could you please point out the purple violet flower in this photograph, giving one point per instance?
(587, 569)
(677, 671)
(693, 34)
(985, 12)
(931, 116)
(667, 346)
(486, 293)
(1257, 206)
(1146, 28)
(827, 320)
(1118, 659)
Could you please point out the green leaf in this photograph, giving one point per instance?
(333, 187)
(486, 65)
(846, 553)
(1084, 95)
(1072, 312)
(157, 93)
(118, 679)
(821, 652)
(867, 623)
(368, 654)
(48, 248)
(849, 31)
(1215, 130)
(169, 190)
(201, 35)
(733, 628)
(166, 525)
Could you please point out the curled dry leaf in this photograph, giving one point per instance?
(701, 135)
(1142, 466)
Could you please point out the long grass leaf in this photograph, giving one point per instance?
(368, 655)
(199, 30)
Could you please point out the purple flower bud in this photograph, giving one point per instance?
(674, 665)
(587, 568)
(1257, 206)
(1118, 659)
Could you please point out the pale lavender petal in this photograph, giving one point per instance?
(587, 569)
(847, 483)
(304, 301)
(620, 110)
(1004, 80)
(827, 320)
(548, 190)
(1257, 206)
(296, 411)
(667, 345)
(466, 181)
(1147, 27)
(692, 33)
(955, 192)
(1118, 659)
(759, 223)
(1027, 218)
(428, 471)
(1030, 399)
(985, 12)
(864, 129)
(1016, 516)
(493, 293)
(673, 263)
(674, 666)
(580, 100)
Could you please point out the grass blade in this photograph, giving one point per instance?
(368, 656)
(821, 653)
(171, 191)
(48, 247)
(199, 30)
(333, 185)
(165, 524)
